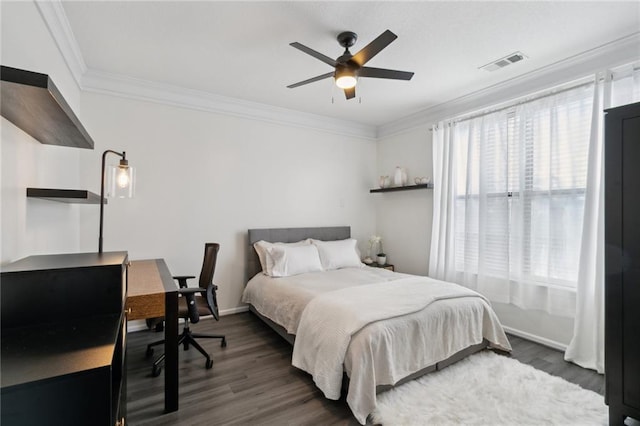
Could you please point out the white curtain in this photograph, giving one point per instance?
(587, 345)
(509, 199)
(524, 224)
(441, 259)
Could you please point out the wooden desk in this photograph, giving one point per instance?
(152, 293)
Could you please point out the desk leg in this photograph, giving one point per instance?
(171, 352)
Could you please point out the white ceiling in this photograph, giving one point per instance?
(241, 49)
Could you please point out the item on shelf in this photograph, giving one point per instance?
(384, 181)
(400, 177)
(425, 180)
(368, 260)
(382, 259)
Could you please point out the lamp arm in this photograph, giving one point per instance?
(122, 155)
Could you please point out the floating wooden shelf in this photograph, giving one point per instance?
(73, 196)
(403, 188)
(32, 102)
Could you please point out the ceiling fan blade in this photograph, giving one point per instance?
(311, 80)
(373, 48)
(350, 93)
(384, 73)
(309, 51)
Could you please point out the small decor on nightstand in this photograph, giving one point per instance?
(384, 181)
(381, 257)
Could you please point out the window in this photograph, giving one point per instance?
(520, 181)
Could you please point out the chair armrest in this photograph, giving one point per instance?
(190, 299)
(191, 290)
(182, 280)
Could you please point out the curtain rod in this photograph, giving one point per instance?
(523, 101)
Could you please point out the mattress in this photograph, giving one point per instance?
(382, 352)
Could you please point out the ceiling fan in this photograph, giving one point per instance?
(348, 67)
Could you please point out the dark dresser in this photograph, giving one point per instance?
(64, 340)
(622, 262)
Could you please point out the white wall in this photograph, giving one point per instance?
(404, 217)
(201, 176)
(205, 177)
(32, 226)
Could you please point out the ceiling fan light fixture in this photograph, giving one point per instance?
(348, 68)
(346, 82)
(346, 78)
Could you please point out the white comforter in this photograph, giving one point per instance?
(376, 352)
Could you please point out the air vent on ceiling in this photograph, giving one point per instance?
(503, 62)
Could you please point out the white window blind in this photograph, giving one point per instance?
(520, 179)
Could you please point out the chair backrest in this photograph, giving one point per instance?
(209, 264)
(206, 282)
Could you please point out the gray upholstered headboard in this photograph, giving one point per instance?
(290, 235)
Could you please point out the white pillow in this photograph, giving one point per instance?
(294, 260)
(338, 254)
(265, 258)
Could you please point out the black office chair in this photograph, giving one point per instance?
(194, 307)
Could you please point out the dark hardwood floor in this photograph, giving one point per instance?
(252, 380)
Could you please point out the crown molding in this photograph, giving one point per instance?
(151, 91)
(615, 53)
(91, 80)
(56, 21)
(609, 55)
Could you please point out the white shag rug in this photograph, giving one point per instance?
(490, 389)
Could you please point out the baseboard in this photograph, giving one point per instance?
(542, 340)
(235, 310)
(139, 325)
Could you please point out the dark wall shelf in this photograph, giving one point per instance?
(32, 102)
(403, 188)
(73, 196)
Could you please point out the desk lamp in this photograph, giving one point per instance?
(120, 182)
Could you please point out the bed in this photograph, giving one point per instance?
(375, 327)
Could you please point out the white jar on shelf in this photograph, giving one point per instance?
(400, 177)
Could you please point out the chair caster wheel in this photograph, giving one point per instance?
(148, 353)
(208, 364)
(223, 344)
(156, 371)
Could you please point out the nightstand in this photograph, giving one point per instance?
(385, 266)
